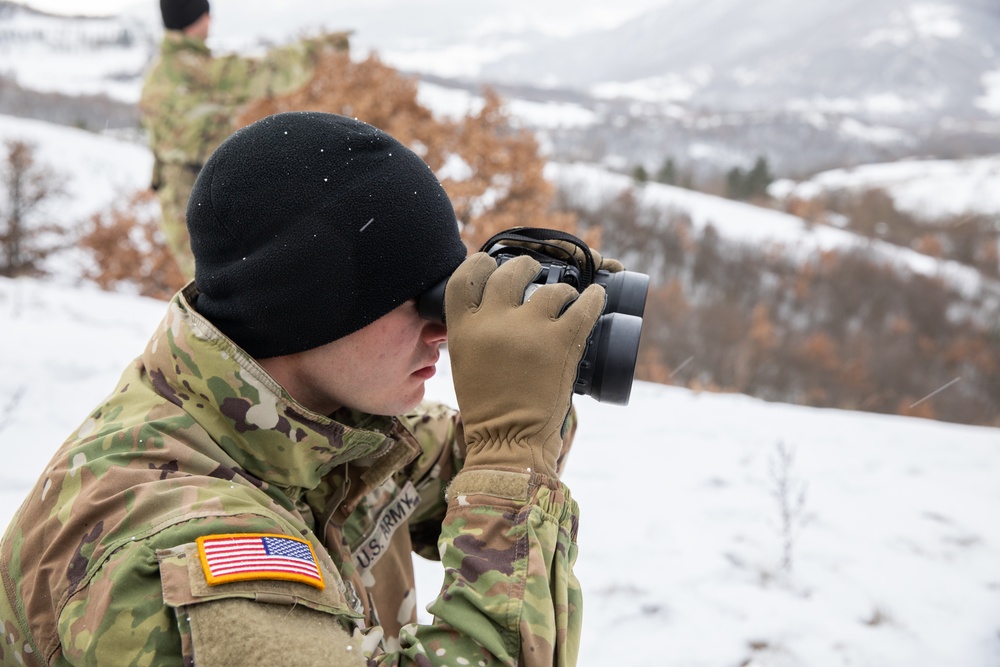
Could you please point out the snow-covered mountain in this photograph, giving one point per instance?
(48, 50)
(876, 59)
(810, 85)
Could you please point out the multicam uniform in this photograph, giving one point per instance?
(189, 103)
(108, 560)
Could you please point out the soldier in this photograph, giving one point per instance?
(244, 495)
(190, 98)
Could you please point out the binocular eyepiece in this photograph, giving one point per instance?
(607, 368)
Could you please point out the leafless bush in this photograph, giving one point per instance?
(789, 494)
(969, 238)
(7, 411)
(129, 250)
(26, 236)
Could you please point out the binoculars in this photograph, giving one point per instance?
(607, 368)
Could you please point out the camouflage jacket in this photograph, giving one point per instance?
(189, 104)
(190, 97)
(110, 560)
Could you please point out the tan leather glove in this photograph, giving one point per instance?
(606, 263)
(515, 364)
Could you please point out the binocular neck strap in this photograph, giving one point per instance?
(544, 238)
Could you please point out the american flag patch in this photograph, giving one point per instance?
(248, 556)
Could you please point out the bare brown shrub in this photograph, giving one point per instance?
(129, 251)
(969, 238)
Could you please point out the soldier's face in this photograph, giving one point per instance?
(380, 369)
(199, 28)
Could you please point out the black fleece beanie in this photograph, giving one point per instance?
(308, 226)
(179, 14)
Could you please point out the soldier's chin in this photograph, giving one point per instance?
(397, 405)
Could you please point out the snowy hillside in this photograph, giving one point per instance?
(79, 56)
(892, 561)
(95, 169)
(761, 227)
(928, 189)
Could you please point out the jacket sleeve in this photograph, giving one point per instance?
(190, 98)
(509, 596)
(282, 70)
(147, 601)
(507, 543)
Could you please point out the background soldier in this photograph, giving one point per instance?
(190, 98)
(242, 496)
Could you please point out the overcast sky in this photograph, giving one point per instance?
(452, 38)
(96, 7)
(269, 17)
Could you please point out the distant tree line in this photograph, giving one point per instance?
(88, 38)
(740, 184)
(87, 112)
(745, 185)
(839, 329)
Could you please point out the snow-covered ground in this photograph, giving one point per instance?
(895, 554)
(93, 171)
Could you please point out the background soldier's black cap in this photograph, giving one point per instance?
(179, 14)
(308, 226)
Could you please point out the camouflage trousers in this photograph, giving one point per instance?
(176, 182)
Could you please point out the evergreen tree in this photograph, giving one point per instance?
(758, 179)
(745, 185)
(668, 172)
(735, 183)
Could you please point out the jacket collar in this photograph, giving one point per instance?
(270, 435)
(176, 40)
